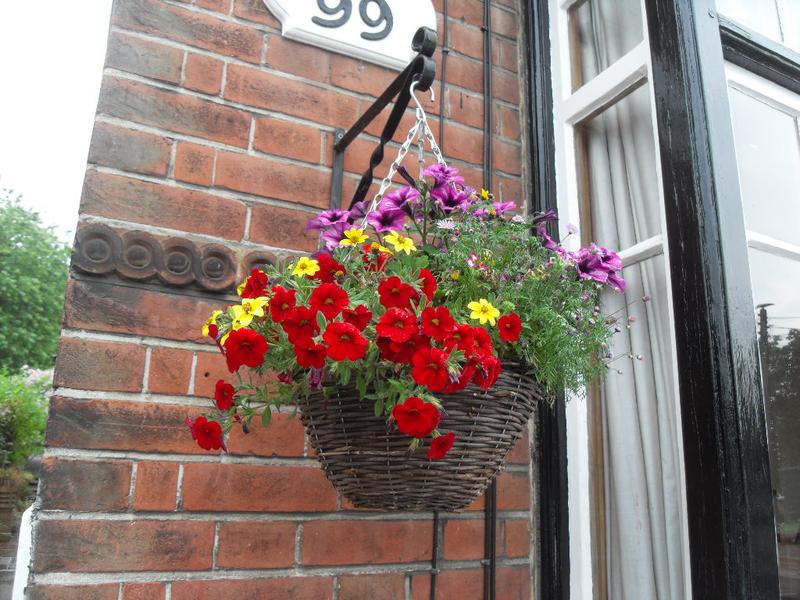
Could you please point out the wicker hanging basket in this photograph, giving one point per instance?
(373, 468)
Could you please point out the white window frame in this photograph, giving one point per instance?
(570, 109)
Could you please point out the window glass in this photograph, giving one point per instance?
(790, 23)
(759, 15)
(642, 447)
(601, 32)
(777, 298)
(618, 173)
(768, 154)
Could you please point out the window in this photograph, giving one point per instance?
(778, 20)
(627, 532)
(766, 124)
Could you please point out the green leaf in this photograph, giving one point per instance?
(266, 416)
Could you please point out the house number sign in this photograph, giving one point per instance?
(377, 31)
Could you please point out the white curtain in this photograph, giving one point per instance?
(643, 466)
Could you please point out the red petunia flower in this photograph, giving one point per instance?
(396, 294)
(223, 395)
(345, 341)
(213, 331)
(437, 322)
(415, 417)
(301, 322)
(330, 299)
(310, 354)
(483, 341)
(461, 337)
(509, 326)
(374, 258)
(330, 269)
(256, 284)
(429, 285)
(464, 379)
(207, 434)
(360, 316)
(402, 352)
(245, 347)
(441, 445)
(488, 371)
(429, 367)
(282, 302)
(397, 325)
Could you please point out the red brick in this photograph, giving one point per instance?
(97, 365)
(470, 11)
(389, 586)
(143, 591)
(222, 6)
(194, 163)
(463, 540)
(513, 491)
(98, 306)
(118, 425)
(211, 367)
(283, 437)
(294, 588)
(81, 485)
(509, 188)
(283, 228)
(465, 72)
(143, 57)
(107, 591)
(509, 119)
(292, 140)
(509, 57)
(505, 23)
(359, 76)
(507, 157)
(170, 371)
(254, 10)
(156, 486)
(517, 538)
(262, 545)
(299, 59)
(173, 111)
(368, 542)
(136, 201)
(466, 40)
(513, 583)
(521, 452)
(465, 108)
(506, 86)
(256, 488)
(113, 546)
(129, 150)
(281, 94)
(203, 74)
(271, 179)
(465, 144)
(195, 29)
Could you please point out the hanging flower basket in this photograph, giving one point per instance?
(417, 342)
(371, 465)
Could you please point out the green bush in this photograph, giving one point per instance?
(23, 416)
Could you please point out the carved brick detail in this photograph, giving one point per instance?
(139, 256)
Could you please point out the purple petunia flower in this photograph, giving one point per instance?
(547, 241)
(502, 207)
(358, 212)
(442, 174)
(389, 219)
(398, 199)
(335, 234)
(450, 198)
(541, 219)
(601, 265)
(327, 218)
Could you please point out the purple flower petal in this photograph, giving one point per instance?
(387, 220)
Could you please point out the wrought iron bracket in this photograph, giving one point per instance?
(422, 70)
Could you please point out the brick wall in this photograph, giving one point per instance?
(213, 143)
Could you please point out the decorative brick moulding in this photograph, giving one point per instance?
(101, 251)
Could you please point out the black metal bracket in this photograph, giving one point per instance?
(422, 70)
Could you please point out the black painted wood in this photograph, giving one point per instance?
(731, 525)
(759, 54)
(551, 425)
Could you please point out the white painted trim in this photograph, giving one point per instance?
(640, 252)
(761, 89)
(608, 87)
(393, 51)
(765, 243)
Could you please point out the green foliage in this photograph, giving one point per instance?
(33, 278)
(23, 417)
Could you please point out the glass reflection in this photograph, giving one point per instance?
(759, 15)
(777, 298)
(601, 32)
(768, 154)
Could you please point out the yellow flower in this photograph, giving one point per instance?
(381, 248)
(486, 195)
(401, 243)
(305, 266)
(483, 311)
(250, 308)
(455, 275)
(212, 320)
(241, 287)
(353, 237)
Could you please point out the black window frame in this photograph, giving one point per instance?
(733, 549)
